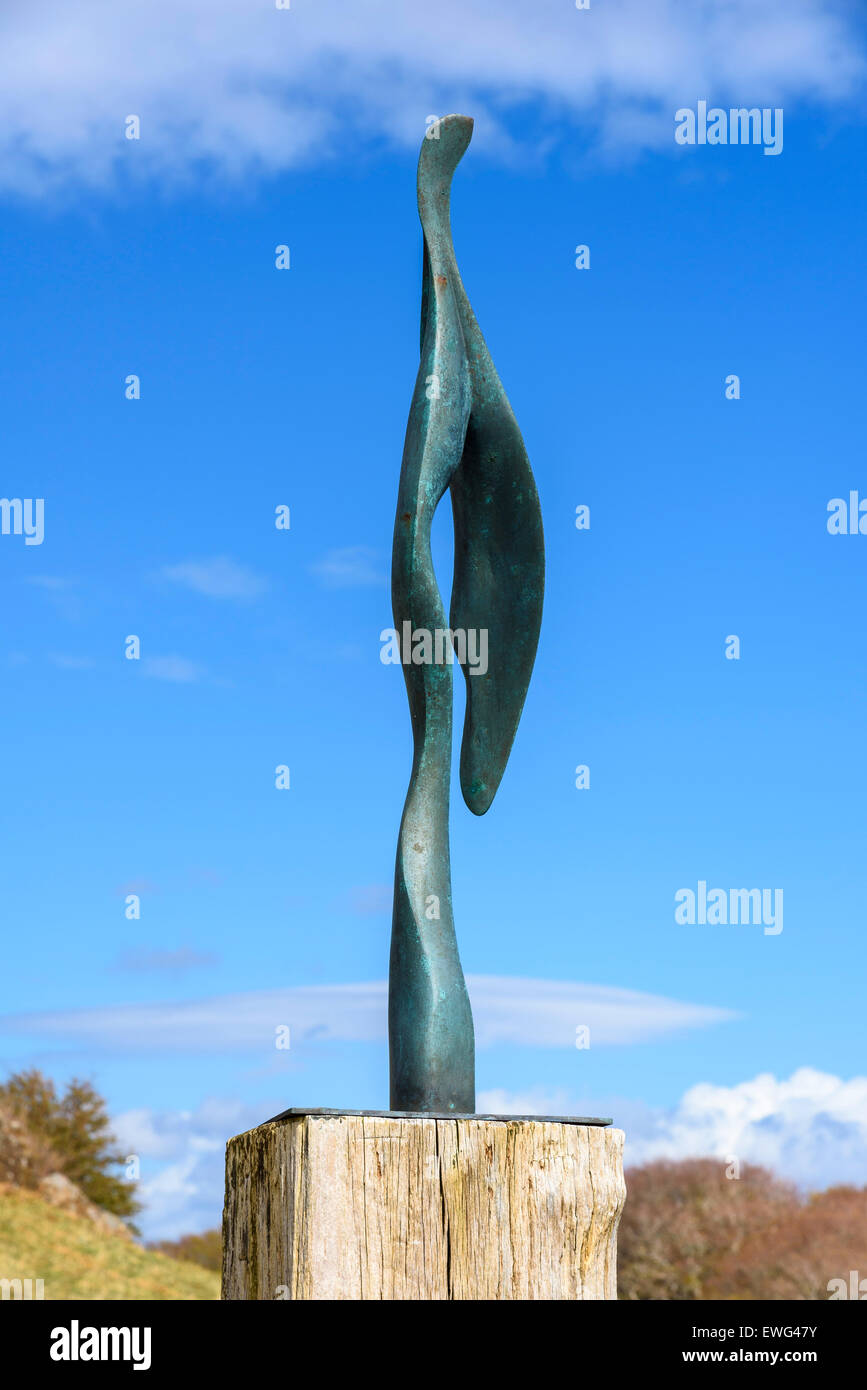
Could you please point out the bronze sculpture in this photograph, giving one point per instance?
(461, 435)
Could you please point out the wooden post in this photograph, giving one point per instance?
(351, 1206)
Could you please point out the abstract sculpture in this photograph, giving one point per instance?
(337, 1204)
(461, 435)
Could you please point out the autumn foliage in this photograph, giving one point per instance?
(689, 1231)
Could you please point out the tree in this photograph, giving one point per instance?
(682, 1219)
(825, 1239)
(76, 1130)
(690, 1232)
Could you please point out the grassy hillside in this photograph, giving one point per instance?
(77, 1260)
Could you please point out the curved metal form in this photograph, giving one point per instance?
(461, 435)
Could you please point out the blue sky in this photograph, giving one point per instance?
(260, 647)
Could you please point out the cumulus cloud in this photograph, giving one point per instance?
(233, 89)
(181, 1156)
(535, 1013)
(810, 1128)
(537, 1100)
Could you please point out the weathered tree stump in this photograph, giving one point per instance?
(346, 1206)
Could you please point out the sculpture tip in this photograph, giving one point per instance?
(442, 148)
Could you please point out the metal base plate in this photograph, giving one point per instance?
(297, 1112)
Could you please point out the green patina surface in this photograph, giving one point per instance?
(461, 435)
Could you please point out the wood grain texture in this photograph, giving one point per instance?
(359, 1207)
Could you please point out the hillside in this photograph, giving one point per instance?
(76, 1259)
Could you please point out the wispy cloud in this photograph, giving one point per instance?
(546, 1013)
(371, 899)
(70, 663)
(172, 962)
(216, 578)
(138, 886)
(61, 593)
(352, 568)
(533, 1013)
(256, 90)
(171, 668)
(53, 583)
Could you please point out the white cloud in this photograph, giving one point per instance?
(811, 1128)
(546, 1013)
(217, 578)
(171, 668)
(533, 1013)
(536, 1101)
(352, 568)
(235, 89)
(181, 1156)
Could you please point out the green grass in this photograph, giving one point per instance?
(77, 1260)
